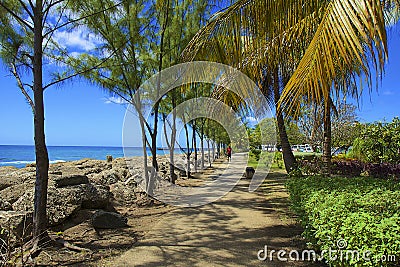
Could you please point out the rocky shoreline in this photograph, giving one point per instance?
(92, 203)
(95, 185)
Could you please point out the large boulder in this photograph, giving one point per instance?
(72, 179)
(95, 196)
(108, 220)
(65, 201)
(124, 193)
(13, 193)
(61, 203)
(110, 176)
(10, 176)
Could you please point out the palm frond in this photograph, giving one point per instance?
(351, 38)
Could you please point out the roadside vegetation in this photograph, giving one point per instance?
(305, 56)
(357, 206)
(357, 214)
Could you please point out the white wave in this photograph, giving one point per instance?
(16, 162)
(57, 161)
(28, 162)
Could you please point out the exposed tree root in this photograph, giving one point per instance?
(70, 246)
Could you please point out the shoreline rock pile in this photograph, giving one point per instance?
(73, 186)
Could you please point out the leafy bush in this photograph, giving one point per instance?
(364, 212)
(383, 170)
(379, 142)
(256, 153)
(307, 165)
(349, 168)
(352, 168)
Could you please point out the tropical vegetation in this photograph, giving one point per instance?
(305, 57)
(359, 215)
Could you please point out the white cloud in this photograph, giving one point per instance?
(251, 119)
(115, 100)
(75, 54)
(79, 39)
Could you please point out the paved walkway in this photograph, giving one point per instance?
(228, 232)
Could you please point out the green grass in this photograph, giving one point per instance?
(252, 162)
(305, 154)
(276, 164)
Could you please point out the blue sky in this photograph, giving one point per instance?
(81, 114)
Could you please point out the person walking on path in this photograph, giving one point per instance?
(229, 153)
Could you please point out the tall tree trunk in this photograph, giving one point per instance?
(327, 153)
(187, 148)
(194, 145)
(148, 179)
(209, 152)
(288, 157)
(213, 145)
(157, 104)
(154, 142)
(172, 142)
(42, 158)
(202, 144)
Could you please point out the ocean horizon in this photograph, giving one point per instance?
(21, 155)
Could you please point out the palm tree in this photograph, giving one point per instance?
(321, 45)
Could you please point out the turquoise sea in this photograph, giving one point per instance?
(20, 155)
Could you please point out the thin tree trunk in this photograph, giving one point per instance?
(148, 179)
(173, 139)
(327, 153)
(188, 149)
(213, 146)
(194, 145)
(202, 145)
(209, 152)
(42, 158)
(157, 104)
(171, 147)
(288, 157)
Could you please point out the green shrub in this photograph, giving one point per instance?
(365, 212)
(256, 153)
(378, 142)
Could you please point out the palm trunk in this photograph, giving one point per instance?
(42, 158)
(327, 153)
(288, 157)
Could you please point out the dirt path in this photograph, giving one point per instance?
(228, 232)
